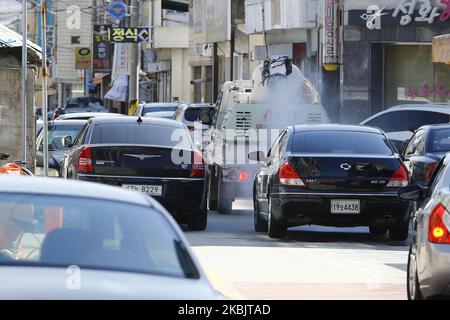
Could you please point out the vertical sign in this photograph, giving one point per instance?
(102, 50)
(331, 35)
(83, 58)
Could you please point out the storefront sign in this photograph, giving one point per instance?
(129, 35)
(83, 58)
(102, 49)
(331, 35)
(426, 90)
(406, 13)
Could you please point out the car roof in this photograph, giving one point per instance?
(67, 122)
(131, 120)
(435, 107)
(90, 114)
(200, 106)
(70, 188)
(162, 104)
(335, 127)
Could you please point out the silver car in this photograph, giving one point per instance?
(428, 274)
(78, 240)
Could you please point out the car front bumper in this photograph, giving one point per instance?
(309, 207)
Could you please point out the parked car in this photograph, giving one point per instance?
(400, 122)
(202, 114)
(84, 104)
(87, 115)
(428, 272)
(331, 175)
(60, 135)
(153, 156)
(77, 240)
(145, 109)
(426, 148)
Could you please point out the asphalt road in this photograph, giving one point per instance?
(311, 263)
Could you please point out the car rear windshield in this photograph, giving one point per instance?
(56, 135)
(142, 134)
(440, 140)
(42, 230)
(202, 115)
(159, 108)
(340, 142)
(85, 103)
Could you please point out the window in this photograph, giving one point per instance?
(90, 233)
(416, 145)
(341, 142)
(56, 135)
(440, 140)
(390, 122)
(144, 134)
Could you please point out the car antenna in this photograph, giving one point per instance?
(139, 120)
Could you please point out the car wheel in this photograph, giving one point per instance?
(413, 286)
(275, 229)
(212, 195)
(377, 231)
(225, 204)
(399, 232)
(259, 222)
(198, 221)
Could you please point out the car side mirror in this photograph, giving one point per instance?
(413, 193)
(257, 156)
(67, 141)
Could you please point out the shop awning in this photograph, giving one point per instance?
(441, 49)
(98, 78)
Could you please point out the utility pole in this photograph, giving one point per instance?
(133, 93)
(24, 78)
(44, 84)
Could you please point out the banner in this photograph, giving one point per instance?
(102, 49)
(83, 58)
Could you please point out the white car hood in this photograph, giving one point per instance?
(30, 283)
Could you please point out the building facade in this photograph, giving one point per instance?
(387, 55)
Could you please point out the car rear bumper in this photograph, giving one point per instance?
(303, 208)
(435, 278)
(180, 196)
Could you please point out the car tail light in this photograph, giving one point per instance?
(243, 176)
(84, 164)
(289, 177)
(438, 231)
(198, 165)
(429, 171)
(400, 178)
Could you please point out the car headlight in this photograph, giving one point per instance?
(39, 171)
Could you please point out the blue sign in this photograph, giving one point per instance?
(117, 10)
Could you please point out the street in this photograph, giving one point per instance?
(311, 263)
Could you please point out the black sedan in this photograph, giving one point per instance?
(424, 151)
(153, 156)
(331, 175)
(60, 135)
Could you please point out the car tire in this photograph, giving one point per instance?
(212, 195)
(399, 232)
(198, 221)
(413, 286)
(275, 229)
(377, 231)
(225, 204)
(261, 225)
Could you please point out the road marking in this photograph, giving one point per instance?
(224, 287)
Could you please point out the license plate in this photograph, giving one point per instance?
(345, 206)
(151, 190)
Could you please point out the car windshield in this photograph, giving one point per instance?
(204, 115)
(56, 135)
(143, 134)
(159, 108)
(341, 142)
(41, 230)
(440, 140)
(85, 103)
